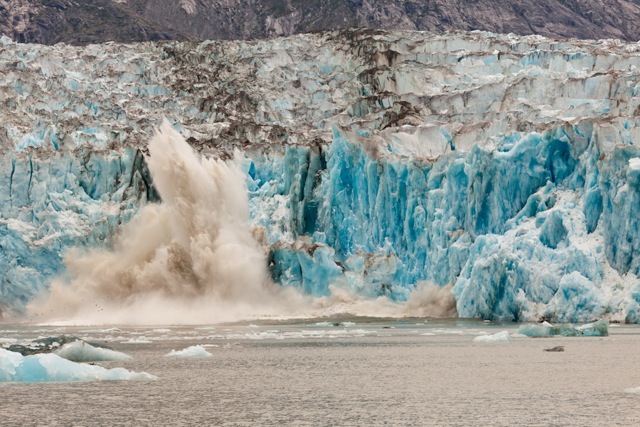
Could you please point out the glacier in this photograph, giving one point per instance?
(504, 169)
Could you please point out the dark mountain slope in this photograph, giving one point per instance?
(81, 22)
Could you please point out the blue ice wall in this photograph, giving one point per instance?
(55, 202)
(533, 226)
(512, 226)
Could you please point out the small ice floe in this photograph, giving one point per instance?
(556, 349)
(14, 367)
(161, 331)
(546, 329)
(194, 352)
(632, 390)
(139, 340)
(499, 337)
(252, 326)
(80, 351)
(101, 331)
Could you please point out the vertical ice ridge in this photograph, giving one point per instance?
(389, 223)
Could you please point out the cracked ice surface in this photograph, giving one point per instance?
(506, 167)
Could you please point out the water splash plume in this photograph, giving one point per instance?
(192, 259)
(189, 259)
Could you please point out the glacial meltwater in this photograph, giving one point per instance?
(338, 372)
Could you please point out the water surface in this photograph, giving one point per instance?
(340, 372)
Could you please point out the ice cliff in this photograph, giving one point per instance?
(506, 168)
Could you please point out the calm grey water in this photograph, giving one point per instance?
(362, 373)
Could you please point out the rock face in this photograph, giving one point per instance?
(503, 168)
(78, 22)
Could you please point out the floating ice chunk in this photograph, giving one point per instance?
(595, 329)
(632, 390)
(140, 340)
(15, 367)
(499, 337)
(80, 351)
(101, 331)
(194, 352)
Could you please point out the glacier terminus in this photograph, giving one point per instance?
(498, 172)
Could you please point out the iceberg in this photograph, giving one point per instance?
(80, 351)
(497, 337)
(193, 352)
(501, 169)
(15, 367)
(545, 329)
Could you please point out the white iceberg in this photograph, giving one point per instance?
(499, 337)
(80, 351)
(15, 367)
(194, 352)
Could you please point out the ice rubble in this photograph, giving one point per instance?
(505, 167)
(193, 352)
(15, 367)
